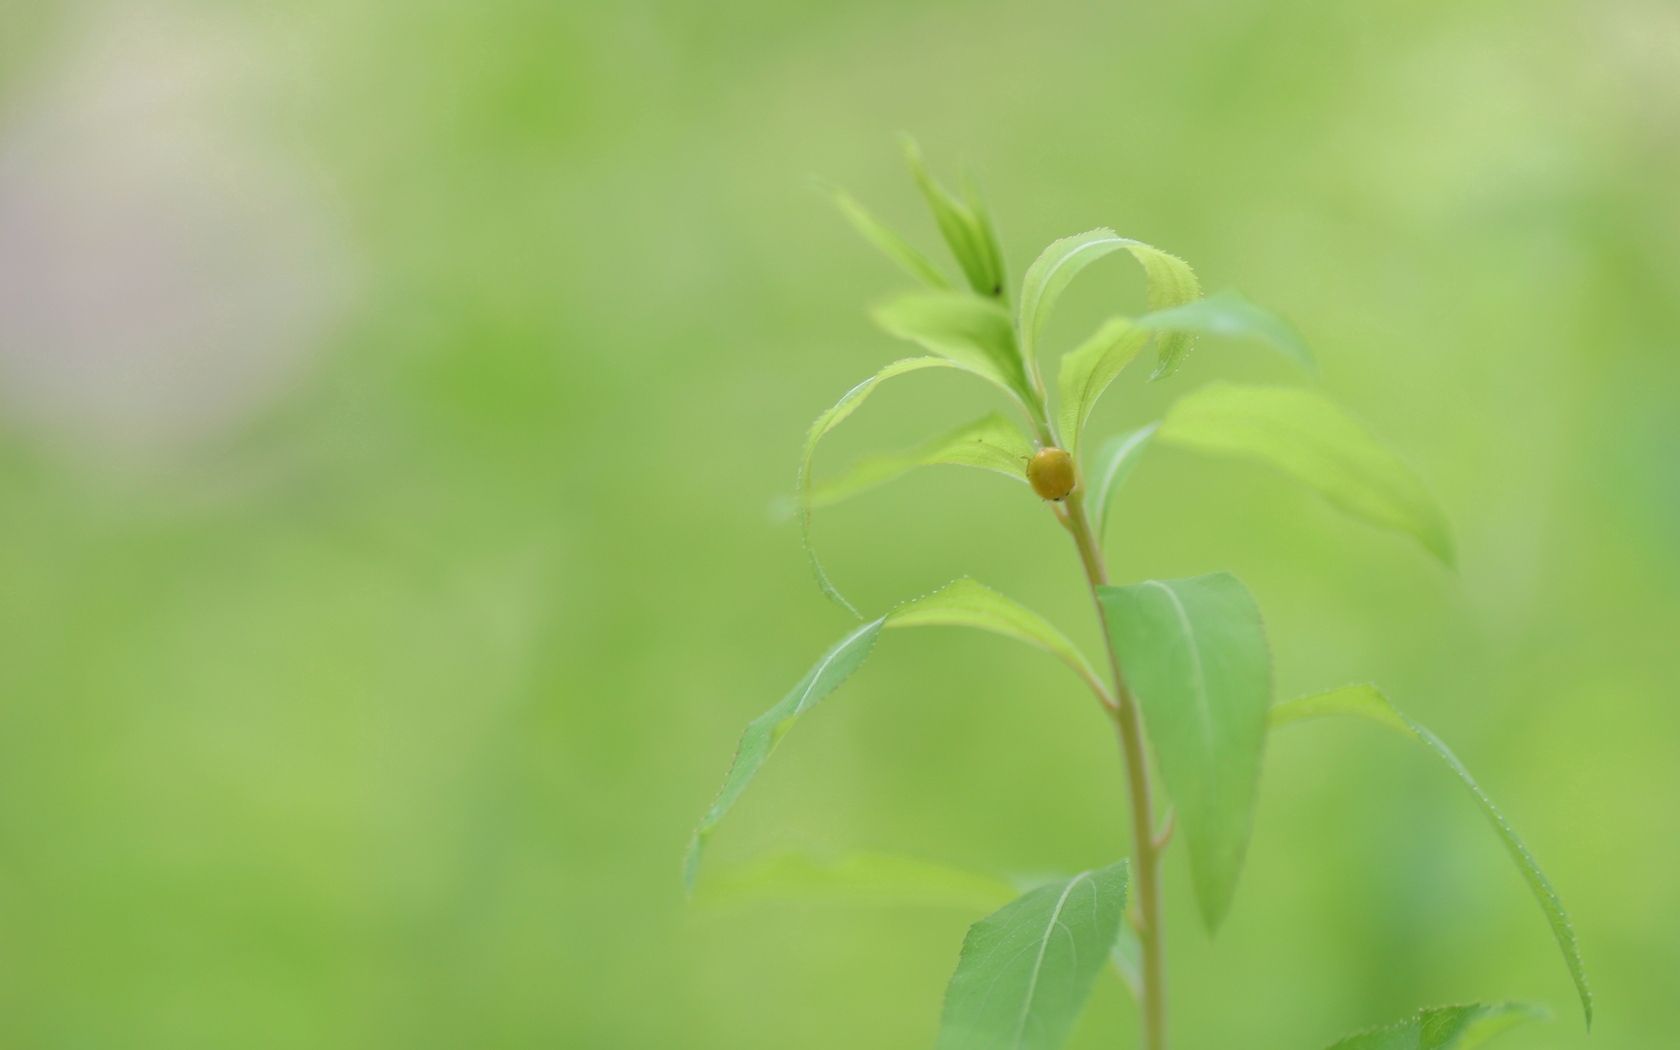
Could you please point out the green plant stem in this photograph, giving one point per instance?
(1146, 848)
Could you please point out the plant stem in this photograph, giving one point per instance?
(1146, 848)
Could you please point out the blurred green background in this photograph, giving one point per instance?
(391, 401)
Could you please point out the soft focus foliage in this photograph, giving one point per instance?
(392, 395)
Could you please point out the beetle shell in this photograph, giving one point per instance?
(1050, 473)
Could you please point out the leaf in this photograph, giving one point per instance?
(988, 235)
(972, 332)
(1026, 971)
(888, 242)
(764, 732)
(968, 238)
(1368, 702)
(1087, 371)
(1227, 313)
(961, 603)
(965, 602)
(1195, 658)
(833, 417)
(860, 878)
(1308, 437)
(1116, 459)
(1171, 283)
(989, 443)
(1445, 1028)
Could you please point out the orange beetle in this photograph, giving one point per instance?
(1051, 474)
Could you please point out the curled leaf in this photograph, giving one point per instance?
(1171, 283)
(826, 422)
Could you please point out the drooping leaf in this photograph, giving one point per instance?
(1115, 461)
(889, 242)
(1227, 313)
(1195, 657)
(1171, 283)
(965, 602)
(1305, 435)
(967, 237)
(764, 732)
(1368, 702)
(1087, 371)
(989, 443)
(961, 603)
(975, 333)
(860, 878)
(826, 422)
(1026, 971)
(1445, 1028)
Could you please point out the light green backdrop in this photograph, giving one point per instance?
(374, 712)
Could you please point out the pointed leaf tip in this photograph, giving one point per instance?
(967, 232)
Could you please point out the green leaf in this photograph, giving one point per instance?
(1227, 313)
(826, 422)
(1116, 459)
(764, 732)
(1445, 1028)
(1195, 657)
(961, 603)
(1308, 437)
(969, 239)
(859, 878)
(1368, 702)
(888, 242)
(988, 235)
(1087, 371)
(974, 333)
(989, 443)
(1026, 971)
(965, 602)
(1171, 283)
